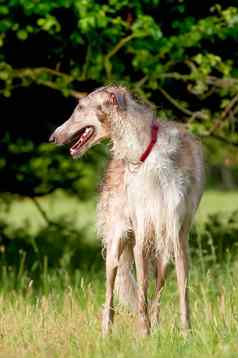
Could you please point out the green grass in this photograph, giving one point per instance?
(60, 316)
(57, 205)
(64, 321)
(217, 202)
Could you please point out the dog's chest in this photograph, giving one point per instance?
(157, 184)
(143, 190)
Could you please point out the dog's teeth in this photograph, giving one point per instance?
(86, 132)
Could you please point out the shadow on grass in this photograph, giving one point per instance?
(216, 239)
(56, 248)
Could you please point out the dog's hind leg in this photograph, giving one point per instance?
(141, 263)
(161, 268)
(181, 264)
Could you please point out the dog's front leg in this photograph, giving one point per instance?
(114, 250)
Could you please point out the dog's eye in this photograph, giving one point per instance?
(99, 107)
(79, 107)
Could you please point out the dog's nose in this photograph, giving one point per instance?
(52, 138)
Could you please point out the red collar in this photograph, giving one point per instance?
(153, 140)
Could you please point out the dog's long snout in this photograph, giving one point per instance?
(52, 138)
(59, 136)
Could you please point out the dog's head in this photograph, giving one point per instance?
(91, 120)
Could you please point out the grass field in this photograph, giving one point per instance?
(61, 316)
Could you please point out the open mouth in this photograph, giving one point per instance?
(81, 138)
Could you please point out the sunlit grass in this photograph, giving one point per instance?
(65, 321)
(23, 211)
(214, 201)
(60, 315)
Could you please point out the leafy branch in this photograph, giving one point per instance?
(37, 75)
(113, 51)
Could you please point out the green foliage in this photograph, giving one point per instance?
(182, 58)
(38, 170)
(130, 43)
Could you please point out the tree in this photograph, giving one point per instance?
(181, 58)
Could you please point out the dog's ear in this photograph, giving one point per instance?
(118, 99)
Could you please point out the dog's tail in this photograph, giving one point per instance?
(126, 287)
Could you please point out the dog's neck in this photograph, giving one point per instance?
(131, 134)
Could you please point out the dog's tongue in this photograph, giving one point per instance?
(83, 137)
